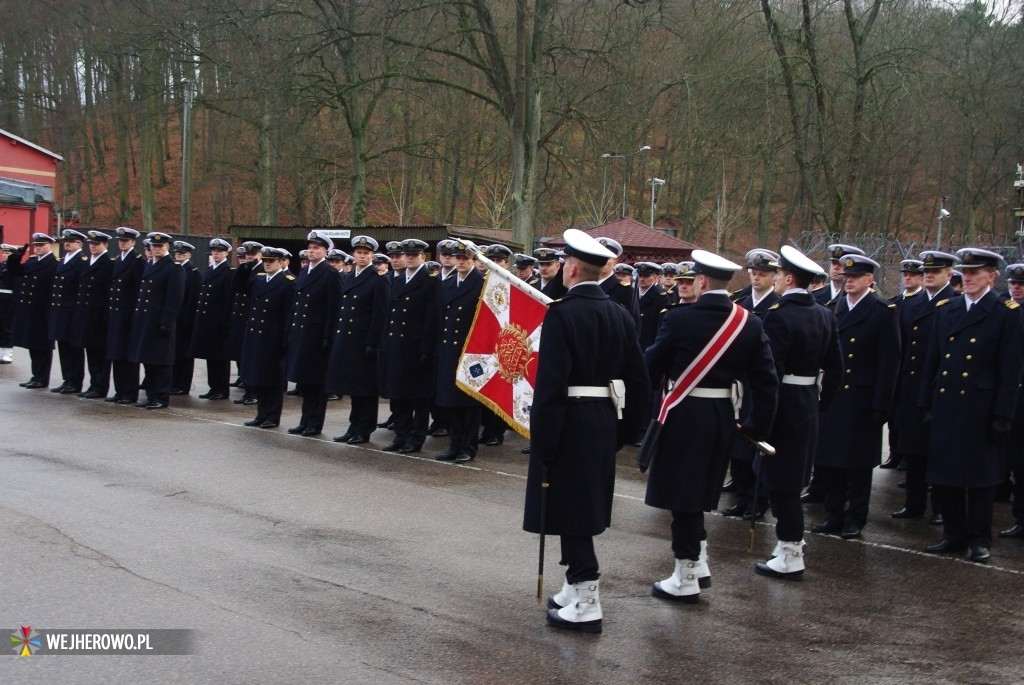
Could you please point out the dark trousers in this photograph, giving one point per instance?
(181, 374)
(1018, 495)
(744, 478)
(126, 379)
(917, 485)
(440, 417)
(847, 494)
(218, 375)
(72, 364)
(99, 370)
(687, 532)
(158, 382)
(362, 419)
(494, 425)
(411, 419)
(966, 513)
(314, 405)
(789, 515)
(579, 556)
(269, 401)
(462, 425)
(42, 361)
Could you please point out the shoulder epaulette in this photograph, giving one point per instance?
(290, 277)
(775, 306)
(138, 256)
(1011, 304)
(113, 259)
(892, 305)
(84, 259)
(554, 302)
(663, 310)
(916, 292)
(941, 302)
(628, 285)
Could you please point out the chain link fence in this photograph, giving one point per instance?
(890, 250)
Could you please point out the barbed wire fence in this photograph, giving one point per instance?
(889, 250)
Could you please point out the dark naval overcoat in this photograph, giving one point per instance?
(264, 346)
(213, 314)
(354, 366)
(161, 294)
(458, 306)
(89, 324)
(64, 296)
(124, 295)
(317, 296)
(31, 324)
(409, 342)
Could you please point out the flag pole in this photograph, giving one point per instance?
(513, 280)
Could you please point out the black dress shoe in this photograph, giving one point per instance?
(25, 384)
(811, 497)
(729, 486)
(393, 446)
(936, 520)
(249, 401)
(447, 455)
(237, 383)
(113, 398)
(902, 485)
(344, 437)
(525, 450)
(310, 432)
(34, 385)
(441, 433)
(889, 463)
(1014, 531)
(214, 396)
(409, 449)
(390, 423)
(902, 466)
(850, 532)
(463, 457)
(294, 393)
(827, 528)
(495, 440)
(70, 390)
(357, 440)
(946, 546)
(298, 430)
(156, 405)
(178, 391)
(905, 513)
(747, 515)
(979, 554)
(142, 403)
(126, 400)
(734, 510)
(254, 423)
(269, 424)
(90, 395)
(59, 388)
(333, 397)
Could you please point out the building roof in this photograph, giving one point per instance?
(7, 134)
(639, 241)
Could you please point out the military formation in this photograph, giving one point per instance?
(780, 389)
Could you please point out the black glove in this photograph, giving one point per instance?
(164, 331)
(370, 352)
(878, 417)
(999, 429)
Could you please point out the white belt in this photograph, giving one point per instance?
(589, 391)
(615, 391)
(790, 379)
(712, 393)
(4, 291)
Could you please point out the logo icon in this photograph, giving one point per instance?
(25, 641)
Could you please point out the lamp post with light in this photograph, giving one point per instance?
(625, 161)
(654, 183)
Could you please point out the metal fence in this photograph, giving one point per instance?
(890, 250)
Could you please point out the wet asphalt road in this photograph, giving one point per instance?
(299, 560)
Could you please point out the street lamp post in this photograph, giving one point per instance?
(654, 183)
(943, 214)
(186, 156)
(625, 161)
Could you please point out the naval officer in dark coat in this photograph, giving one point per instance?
(89, 324)
(917, 316)
(972, 381)
(587, 343)
(185, 363)
(549, 269)
(124, 294)
(154, 325)
(1015, 442)
(211, 326)
(409, 347)
(623, 293)
(62, 312)
(835, 273)
(809, 366)
(314, 315)
(459, 297)
(354, 366)
(31, 323)
(850, 437)
(264, 345)
(652, 300)
(692, 456)
(249, 269)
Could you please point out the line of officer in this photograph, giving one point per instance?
(62, 312)
(837, 282)
(152, 341)
(89, 323)
(624, 294)
(185, 363)
(211, 327)
(912, 278)
(1015, 442)
(972, 382)
(31, 322)
(269, 302)
(248, 272)
(685, 287)
(8, 283)
(318, 292)
(549, 270)
(850, 435)
(688, 482)
(354, 365)
(652, 301)
(125, 280)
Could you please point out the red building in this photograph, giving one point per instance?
(28, 174)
